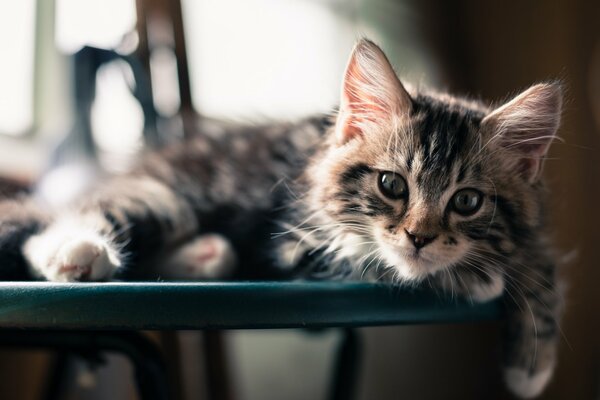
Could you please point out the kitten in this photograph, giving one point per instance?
(402, 185)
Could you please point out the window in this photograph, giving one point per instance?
(274, 58)
(17, 34)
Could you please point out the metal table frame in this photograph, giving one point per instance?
(88, 319)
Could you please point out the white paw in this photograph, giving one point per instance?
(485, 291)
(525, 385)
(82, 260)
(209, 256)
(71, 256)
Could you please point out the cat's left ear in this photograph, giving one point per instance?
(526, 126)
(372, 95)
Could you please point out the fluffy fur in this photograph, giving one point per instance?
(307, 198)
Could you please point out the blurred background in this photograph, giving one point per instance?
(85, 85)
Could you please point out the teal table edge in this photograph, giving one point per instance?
(228, 305)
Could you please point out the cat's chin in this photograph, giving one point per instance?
(410, 265)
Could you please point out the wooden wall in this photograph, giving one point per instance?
(492, 48)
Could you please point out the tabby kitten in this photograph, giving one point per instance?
(402, 185)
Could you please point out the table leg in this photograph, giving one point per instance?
(346, 367)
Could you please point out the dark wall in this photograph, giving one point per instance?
(493, 48)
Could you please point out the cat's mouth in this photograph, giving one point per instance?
(411, 263)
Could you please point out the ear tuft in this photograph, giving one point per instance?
(371, 92)
(527, 125)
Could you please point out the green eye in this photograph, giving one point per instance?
(392, 185)
(466, 201)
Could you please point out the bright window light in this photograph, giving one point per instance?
(98, 23)
(117, 118)
(275, 58)
(17, 33)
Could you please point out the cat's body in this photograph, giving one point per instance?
(402, 185)
(231, 181)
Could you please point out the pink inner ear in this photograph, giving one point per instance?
(526, 126)
(530, 155)
(534, 149)
(528, 167)
(371, 93)
(360, 104)
(349, 127)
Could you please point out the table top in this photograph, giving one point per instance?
(227, 305)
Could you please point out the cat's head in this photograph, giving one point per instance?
(429, 181)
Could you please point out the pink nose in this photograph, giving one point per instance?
(420, 240)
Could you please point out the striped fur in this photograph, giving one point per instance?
(439, 144)
(305, 199)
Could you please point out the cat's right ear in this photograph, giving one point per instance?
(526, 126)
(372, 95)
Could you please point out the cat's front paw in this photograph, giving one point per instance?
(525, 383)
(208, 256)
(82, 260)
(490, 289)
(89, 258)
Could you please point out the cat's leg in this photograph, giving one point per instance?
(533, 334)
(74, 248)
(477, 286)
(131, 217)
(534, 307)
(208, 256)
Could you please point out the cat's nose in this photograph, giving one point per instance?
(420, 240)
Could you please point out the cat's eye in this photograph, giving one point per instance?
(392, 185)
(466, 201)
